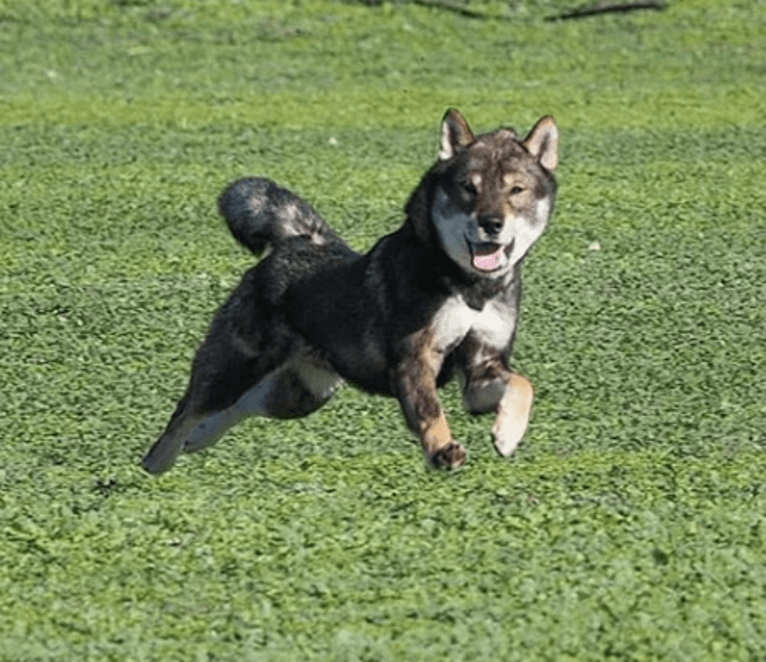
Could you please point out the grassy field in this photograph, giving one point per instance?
(631, 522)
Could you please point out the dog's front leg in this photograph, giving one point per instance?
(510, 395)
(490, 385)
(415, 382)
(512, 413)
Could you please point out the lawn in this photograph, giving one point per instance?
(631, 522)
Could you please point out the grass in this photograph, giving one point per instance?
(629, 525)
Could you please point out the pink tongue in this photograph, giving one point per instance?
(488, 262)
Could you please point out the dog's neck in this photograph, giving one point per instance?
(475, 289)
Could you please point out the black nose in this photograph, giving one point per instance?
(490, 224)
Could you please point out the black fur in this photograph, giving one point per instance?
(396, 321)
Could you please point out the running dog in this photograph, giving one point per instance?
(436, 298)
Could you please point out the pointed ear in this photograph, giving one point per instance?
(455, 134)
(543, 143)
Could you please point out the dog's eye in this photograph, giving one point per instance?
(469, 188)
(516, 190)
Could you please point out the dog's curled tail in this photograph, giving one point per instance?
(259, 213)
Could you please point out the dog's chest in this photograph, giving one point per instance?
(493, 325)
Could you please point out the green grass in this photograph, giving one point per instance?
(631, 523)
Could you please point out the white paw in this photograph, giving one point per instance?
(508, 434)
(513, 415)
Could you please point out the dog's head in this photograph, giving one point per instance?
(488, 198)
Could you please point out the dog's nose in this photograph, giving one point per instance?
(490, 224)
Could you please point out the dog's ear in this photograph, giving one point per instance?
(456, 134)
(543, 143)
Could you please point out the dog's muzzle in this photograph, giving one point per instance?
(487, 256)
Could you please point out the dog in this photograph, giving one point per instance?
(438, 297)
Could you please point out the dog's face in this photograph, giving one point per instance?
(492, 194)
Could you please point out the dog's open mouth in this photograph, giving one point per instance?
(488, 256)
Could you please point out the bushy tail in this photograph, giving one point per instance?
(259, 213)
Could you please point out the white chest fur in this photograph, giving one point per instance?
(493, 325)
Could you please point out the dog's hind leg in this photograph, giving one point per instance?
(292, 391)
(224, 392)
(195, 417)
(224, 369)
(164, 452)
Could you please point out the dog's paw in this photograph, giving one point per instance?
(508, 434)
(449, 457)
(513, 415)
